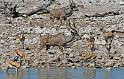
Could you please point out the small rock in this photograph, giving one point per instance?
(2, 41)
(70, 64)
(71, 55)
(117, 58)
(64, 61)
(77, 64)
(92, 64)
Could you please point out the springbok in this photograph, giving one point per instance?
(108, 35)
(91, 40)
(88, 56)
(91, 46)
(21, 37)
(23, 55)
(13, 64)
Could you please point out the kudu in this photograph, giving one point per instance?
(57, 40)
(62, 13)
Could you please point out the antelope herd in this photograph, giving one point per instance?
(59, 39)
(16, 63)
